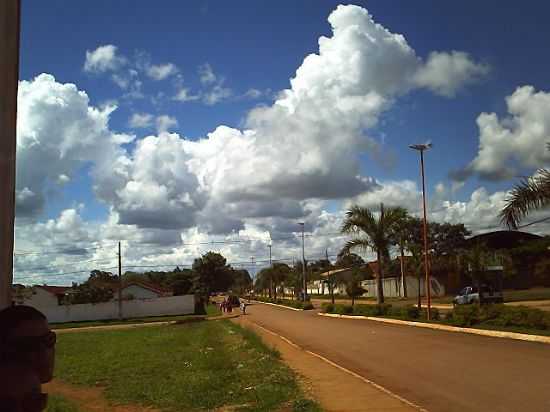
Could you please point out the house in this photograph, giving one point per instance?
(391, 283)
(141, 290)
(41, 296)
(499, 244)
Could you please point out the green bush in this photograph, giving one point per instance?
(500, 315)
(363, 310)
(343, 309)
(308, 306)
(466, 315)
(517, 316)
(327, 307)
(410, 312)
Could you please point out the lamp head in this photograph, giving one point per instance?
(421, 147)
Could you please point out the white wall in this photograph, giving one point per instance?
(392, 287)
(42, 298)
(174, 305)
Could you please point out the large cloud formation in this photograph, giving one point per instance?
(518, 140)
(58, 132)
(301, 150)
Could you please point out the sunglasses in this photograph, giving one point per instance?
(34, 343)
(30, 403)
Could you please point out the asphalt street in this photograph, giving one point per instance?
(440, 371)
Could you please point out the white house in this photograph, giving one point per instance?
(141, 291)
(43, 296)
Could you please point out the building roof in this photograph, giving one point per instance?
(502, 239)
(54, 290)
(146, 285)
(333, 271)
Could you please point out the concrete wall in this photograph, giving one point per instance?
(174, 305)
(392, 287)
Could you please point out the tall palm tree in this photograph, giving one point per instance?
(530, 194)
(372, 233)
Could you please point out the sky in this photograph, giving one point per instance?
(201, 125)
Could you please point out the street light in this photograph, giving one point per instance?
(422, 148)
(303, 262)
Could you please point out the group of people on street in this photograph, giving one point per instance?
(27, 355)
(227, 307)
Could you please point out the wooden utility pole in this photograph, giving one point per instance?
(10, 11)
(271, 292)
(119, 283)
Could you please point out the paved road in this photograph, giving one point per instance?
(440, 371)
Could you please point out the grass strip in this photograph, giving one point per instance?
(189, 367)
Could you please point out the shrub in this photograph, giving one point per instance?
(466, 315)
(343, 309)
(517, 316)
(363, 310)
(308, 306)
(328, 307)
(410, 312)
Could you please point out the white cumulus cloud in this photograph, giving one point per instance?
(162, 71)
(103, 59)
(519, 139)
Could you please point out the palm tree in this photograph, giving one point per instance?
(374, 233)
(530, 194)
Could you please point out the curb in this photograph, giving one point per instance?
(343, 369)
(456, 329)
(279, 306)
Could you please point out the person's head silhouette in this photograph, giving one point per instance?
(26, 338)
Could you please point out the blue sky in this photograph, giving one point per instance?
(258, 46)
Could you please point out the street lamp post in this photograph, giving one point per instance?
(421, 148)
(303, 262)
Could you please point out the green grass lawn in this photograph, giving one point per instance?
(189, 367)
(57, 403)
(527, 294)
(211, 310)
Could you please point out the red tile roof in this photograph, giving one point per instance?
(54, 290)
(149, 286)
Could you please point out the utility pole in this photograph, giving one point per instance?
(304, 261)
(10, 11)
(252, 267)
(328, 273)
(119, 283)
(271, 294)
(421, 148)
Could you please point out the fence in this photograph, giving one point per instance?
(174, 305)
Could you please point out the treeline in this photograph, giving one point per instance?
(209, 273)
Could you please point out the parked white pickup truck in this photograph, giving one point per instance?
(470, 294)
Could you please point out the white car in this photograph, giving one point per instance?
(470, 295)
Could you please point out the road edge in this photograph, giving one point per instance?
(447, 328)
(279, 306)
(343, 369)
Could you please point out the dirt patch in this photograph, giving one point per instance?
(90, 399)
(335, 389)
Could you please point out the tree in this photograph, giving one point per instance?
(346, 259)
(213, 273)
(98, 288)
(530, 194)
(353, 286)
(374, 233)
(241, 281)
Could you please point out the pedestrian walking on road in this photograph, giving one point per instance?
(243, 308)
